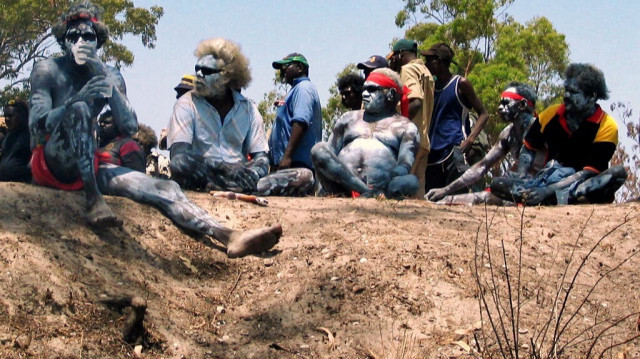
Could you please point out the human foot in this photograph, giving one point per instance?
(100, 215)
(254, 241)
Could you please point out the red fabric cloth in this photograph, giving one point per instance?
(43, 177)
(384, 81)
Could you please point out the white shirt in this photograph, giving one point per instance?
(195, 121)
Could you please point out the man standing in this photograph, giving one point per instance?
(370, 151)
(350, 88)
(417, 78)
(67, 93)
(298, 123)
(372, 63)
(214, 130)
(450, 133)
(15, 152)
(580, 140)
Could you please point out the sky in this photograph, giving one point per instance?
(332, 34)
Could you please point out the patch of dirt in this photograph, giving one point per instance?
(349, 278)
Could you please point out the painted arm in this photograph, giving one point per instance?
(525, 161)
(476, 172)
(469, 94)
(406, 151)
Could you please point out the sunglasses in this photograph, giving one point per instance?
(372, 88)
(206, 71)
(86, 36)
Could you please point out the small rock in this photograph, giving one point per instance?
(220, 309)
(363, 260)
(304, 347)
(523, 331)
(358, 289)
(333, 279)
(325, 250)
(268, 262)
(64, 238)
(137, 351)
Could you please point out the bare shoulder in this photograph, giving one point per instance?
(349, 118)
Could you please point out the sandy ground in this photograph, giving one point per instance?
(349, 278)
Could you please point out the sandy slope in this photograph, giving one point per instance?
(385, 278)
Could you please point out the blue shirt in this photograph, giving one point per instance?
(302, 104)
(449, 122)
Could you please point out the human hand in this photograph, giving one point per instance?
(285, 162)
(534, 196)
(96, 88)
(465, 146)
(247, 178)
(435, 194)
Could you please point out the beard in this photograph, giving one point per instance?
(217, 89)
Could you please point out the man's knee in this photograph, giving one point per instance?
(403, 186)
(79, 109)
(319, 154)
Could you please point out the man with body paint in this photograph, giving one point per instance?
(580, 140)
(517, 107)
(214, 130)
(370, 151)
(67, 94)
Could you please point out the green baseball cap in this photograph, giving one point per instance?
(405, 45)
(290, 58)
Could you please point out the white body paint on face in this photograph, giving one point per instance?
(374, 101)
(575, 100)
(209, 85)
(80, 34)
(508, 108)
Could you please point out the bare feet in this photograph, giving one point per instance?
(254, 241)
(100, 215)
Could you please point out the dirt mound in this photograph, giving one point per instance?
(350, 278)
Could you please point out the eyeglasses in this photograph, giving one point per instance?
(86, 36)
(206, 71)
(372, 88)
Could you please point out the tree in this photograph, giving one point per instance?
(267, 107)
(491, 48)
(626, 154)
(25, 35)
(334, 108)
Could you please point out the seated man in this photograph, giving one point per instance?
(14, 147)
(517, 107)
(117, 148)
(580, 140)
(370, 151)
(214, 130)
(67, 93)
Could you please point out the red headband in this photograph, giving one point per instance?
(515, 96)
(82, 16)
(385, 81)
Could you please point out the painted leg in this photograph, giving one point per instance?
(403, 187)
(167, 196)
(70, 152)
(333, 173)
(475, 198)
(601, 188)
(288, 182)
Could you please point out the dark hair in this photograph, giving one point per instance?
(146, 137)
(590, 79)
(524, 90)
(20, 106)
(81, 11)
(352, 79)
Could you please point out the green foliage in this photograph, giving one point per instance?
(334, 108)
(25, 36)
(267, 107)
(491, 48)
